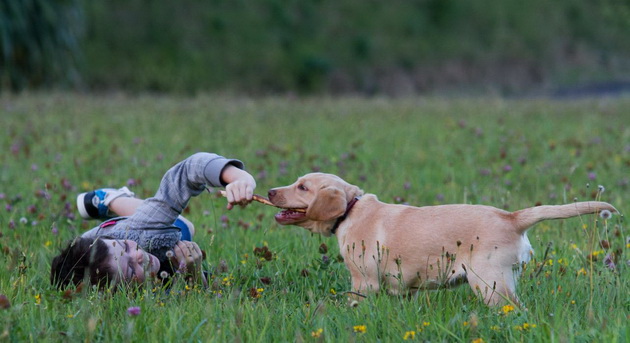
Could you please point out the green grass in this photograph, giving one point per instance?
(420, 151)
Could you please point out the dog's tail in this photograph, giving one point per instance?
(530, 216)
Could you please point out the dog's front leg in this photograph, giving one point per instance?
(361, 286)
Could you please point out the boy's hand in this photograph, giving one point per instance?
(240, 186)
(187, 257)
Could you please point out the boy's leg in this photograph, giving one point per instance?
(120, 202)
(95, 204)
(124, 206)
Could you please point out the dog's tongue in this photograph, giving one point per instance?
(288, 217)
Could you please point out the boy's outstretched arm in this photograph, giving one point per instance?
(190, 178)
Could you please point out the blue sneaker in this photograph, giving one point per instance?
(95, 204)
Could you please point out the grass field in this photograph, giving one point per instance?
(508, 154)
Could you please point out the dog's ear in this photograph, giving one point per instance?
(352, 191)
(330, 203)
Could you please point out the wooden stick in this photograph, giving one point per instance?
(261, 199)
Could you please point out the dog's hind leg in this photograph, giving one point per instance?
(495, 286)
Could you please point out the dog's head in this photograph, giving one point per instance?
(324, 197)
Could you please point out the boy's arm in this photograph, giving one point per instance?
(187, 179)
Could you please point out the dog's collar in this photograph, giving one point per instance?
(345, 215)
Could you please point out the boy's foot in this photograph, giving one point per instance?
(95, 204)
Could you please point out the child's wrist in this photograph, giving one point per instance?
(233, 174)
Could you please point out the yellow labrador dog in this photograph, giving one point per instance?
(409, 248)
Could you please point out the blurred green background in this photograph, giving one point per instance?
(395, 47)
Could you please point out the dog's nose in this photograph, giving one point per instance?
(271, 193)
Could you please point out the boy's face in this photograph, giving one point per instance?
(130, 261)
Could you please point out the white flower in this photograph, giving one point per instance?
(601, 188)
(170, 254)
(605, 214)
(164, 274)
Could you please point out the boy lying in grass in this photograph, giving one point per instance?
(149, 238)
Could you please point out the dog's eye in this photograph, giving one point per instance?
(302, 187)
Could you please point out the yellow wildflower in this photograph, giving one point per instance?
(465, 323)
(507, 309)
(597, 252)
(581, 272)
(495, 328)
(426, 323)
(409, 335)
(317, 334)
(47, 244)
(332, 291)
(478, 340)
(227, 281)
(525, 327)
(38, 299)
(574, 246)
(359, 328)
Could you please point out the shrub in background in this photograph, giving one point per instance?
(394, 47)
(346, 46)
(39, 44)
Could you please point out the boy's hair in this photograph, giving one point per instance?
(83, 259)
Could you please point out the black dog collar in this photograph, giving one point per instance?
(345, 215)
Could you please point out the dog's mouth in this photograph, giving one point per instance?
(291, 216)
